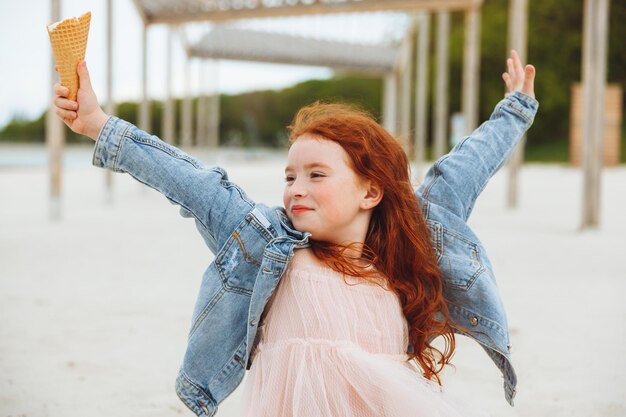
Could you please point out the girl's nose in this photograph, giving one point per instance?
(297, 189)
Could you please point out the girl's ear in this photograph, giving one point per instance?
(374, 193)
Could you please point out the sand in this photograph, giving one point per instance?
(95, 307)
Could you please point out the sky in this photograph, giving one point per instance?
(28, 80)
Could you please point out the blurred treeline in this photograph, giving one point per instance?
(554, 43)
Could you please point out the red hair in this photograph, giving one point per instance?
(397, 241)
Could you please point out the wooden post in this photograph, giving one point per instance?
(421, 93)
(595, 33)
(168, 121)
(144, 108)
(471, 69)
(406, 69)
(612, 125)
(213, 104)
(201, 112)
(187, 115)
(110, 103)
(390, 100)
(440, 115)
(55, 135)
(518, 40)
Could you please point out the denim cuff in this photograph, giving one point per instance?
(106, 151)
(522, 104)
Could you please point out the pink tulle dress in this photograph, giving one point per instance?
(330, 347)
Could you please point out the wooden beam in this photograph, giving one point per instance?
(194, 10)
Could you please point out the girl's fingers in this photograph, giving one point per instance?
(515, 58)
(529, 80)
(519, 77)
(61, 91)
(509, 66)
(66, 114)
(506, 77)
(65, 104)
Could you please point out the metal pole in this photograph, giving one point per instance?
(441, 96)
(518, 40)
(421, 92)
(55, 135)
(595, 33)
(471, 69)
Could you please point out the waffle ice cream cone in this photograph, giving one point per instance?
(69, 43)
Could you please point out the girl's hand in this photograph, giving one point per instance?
(83, 116)
(518, 78)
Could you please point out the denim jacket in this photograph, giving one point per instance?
(253, 245)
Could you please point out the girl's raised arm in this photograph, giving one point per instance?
(202, 193)
(457, 178)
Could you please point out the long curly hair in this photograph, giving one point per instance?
(397, 243)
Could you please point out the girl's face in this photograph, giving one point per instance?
(323, 195)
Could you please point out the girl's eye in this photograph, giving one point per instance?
(317, 175)
(289, 178)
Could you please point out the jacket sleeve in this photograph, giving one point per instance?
(457, 178)
(202, 193)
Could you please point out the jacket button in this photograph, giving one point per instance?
(253, 322)
(474, 321)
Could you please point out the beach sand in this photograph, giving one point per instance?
(95, 307)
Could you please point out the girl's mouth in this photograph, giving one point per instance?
(295, 210)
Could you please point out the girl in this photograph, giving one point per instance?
(327, 299)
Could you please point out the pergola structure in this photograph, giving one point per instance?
(281, 51)
(177, 13)
(184, 11)
(223, 42)
(253, 45)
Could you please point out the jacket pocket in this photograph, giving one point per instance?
(239, 260)
(457, 256)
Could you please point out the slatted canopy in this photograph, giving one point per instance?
(184, 11)
(253, 45)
